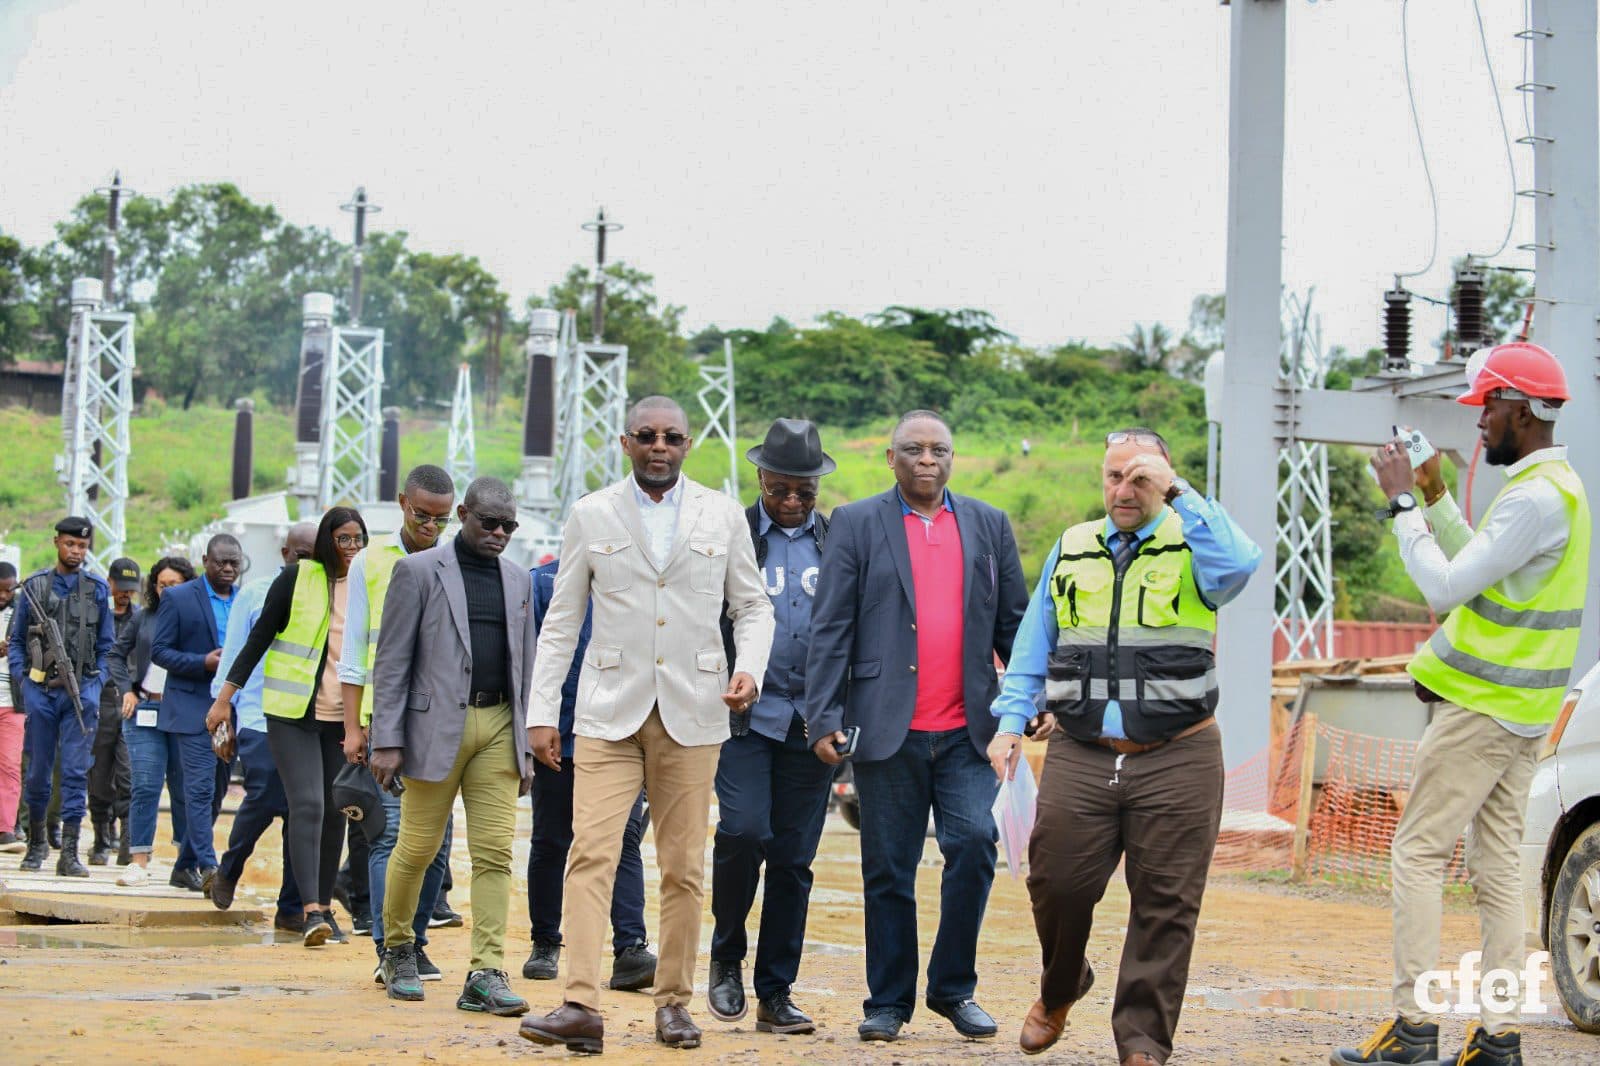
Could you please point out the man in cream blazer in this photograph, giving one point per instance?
(657, 555)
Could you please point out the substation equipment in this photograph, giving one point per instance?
(1271, 406)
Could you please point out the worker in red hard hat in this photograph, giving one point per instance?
(1495, 674)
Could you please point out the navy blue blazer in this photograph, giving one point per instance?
(186, 632)
(861, 666)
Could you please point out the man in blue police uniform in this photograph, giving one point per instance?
(772, 792)
(80, 605)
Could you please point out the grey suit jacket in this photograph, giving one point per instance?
(423, 668)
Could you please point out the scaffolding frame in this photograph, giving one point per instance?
(716, 398)
(591, 409)
(96, 403)
(1305, 518)
(462, 450)
(352, 417)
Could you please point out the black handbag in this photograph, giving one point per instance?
(356, 794)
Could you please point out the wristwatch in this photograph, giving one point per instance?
(1399, 504)
(1177, 488)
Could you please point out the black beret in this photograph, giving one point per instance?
(73, 526)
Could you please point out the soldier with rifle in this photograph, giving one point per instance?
(61, 633)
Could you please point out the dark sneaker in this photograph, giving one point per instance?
(361, 925)
(443, 916)
(399, 969)
(317, 929)
(633, 968)
(970, 1020)
(881, 1025)
(1394, 1041)
(1485, 1049)
(426, 969)
(377, 971)
(542, 963)
(488, 992)
(778, 1014)
(725, 991)
(336, 935)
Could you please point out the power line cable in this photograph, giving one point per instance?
(1416, 122)
(1505, 134)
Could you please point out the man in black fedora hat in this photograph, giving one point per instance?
(772, 792)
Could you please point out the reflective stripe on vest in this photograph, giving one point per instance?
(289, 669)
(1508, 658)
(378, 569)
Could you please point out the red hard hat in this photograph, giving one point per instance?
(1527, 368)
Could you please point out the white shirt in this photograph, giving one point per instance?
(352, 665)
(1518, 546)
(5, 663)
(660, 519)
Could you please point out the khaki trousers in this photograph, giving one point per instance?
(607, 776)
(485, 774)
(1471, 773)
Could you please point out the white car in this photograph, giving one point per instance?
(1560, 853)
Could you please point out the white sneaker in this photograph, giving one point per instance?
(133, 875)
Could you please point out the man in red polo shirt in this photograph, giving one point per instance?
(919, 591)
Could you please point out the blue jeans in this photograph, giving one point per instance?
(772, 797)
(378, 872)
(944, 772)
(263, 801)
(200, 799)
(52, 727)
(150, 769)
(547, 862)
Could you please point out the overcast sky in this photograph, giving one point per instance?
(1061, 164)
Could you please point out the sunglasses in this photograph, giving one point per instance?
(648, 437)
(491, 524)
(437, 521)
(351, 540)
(803, 497)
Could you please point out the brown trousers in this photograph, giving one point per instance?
(607, 776)
(1161, 810)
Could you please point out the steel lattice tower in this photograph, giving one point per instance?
(462, 451)
(1304, 577)
(352, 417)
(96, 402)
(591, 406)
(716, 398)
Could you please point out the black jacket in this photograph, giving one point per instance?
(752, 514)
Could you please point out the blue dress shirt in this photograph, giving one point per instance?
(1223, 559)
(220, 606)
(244, 610)
(789, 574)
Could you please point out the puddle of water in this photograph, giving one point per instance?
(1376, 1002)
(69, 937)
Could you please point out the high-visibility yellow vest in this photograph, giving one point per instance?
(1143, 639)
(1513, 658)
(289, 672)
(378, 567)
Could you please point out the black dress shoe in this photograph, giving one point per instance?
(725, 991)
(881, 1025)
(970, 1020)
(543, 963)
(778, 1014)
(633, 968)
(575, 1027)
(189, 879)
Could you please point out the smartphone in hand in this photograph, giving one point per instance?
(847, 747)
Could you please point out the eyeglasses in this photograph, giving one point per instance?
(490, 524)
(648, 437)
(350, 540)
(300, 553)
(803, 497)
(1123, 436)
(437, 521)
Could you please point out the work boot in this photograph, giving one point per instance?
(55, 833)
(38, 847)
(100, 853)
(112, 836)
(1485, 1049)
(124, 857)
(1396, 1041)
(67, 863)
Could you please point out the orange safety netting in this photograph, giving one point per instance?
(1360, 786)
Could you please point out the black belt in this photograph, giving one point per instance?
(486, 699)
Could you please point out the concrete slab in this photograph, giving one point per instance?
(44, 902)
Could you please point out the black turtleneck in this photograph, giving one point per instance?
(486, 618)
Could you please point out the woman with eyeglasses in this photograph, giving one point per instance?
(298, 638)
(141, 682)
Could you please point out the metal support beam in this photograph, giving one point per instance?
(1250, 373)
(461, 454)
(1566, 112)
(352, 417)
(716, 398)
(96, 402)
(591, 406)
(1304, 585)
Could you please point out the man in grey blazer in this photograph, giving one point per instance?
(919, 591)
(656, 555)
(450, 689)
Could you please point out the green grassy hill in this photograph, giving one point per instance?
(179, 473)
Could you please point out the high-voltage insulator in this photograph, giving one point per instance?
(1471, 325)
(1397, 329)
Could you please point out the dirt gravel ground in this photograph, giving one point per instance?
(1279, 975)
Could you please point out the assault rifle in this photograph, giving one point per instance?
(58, 649)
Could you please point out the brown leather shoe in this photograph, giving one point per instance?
(1042, 1028)
(578, 1028)
(1140, 1058)
(675, 1028)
